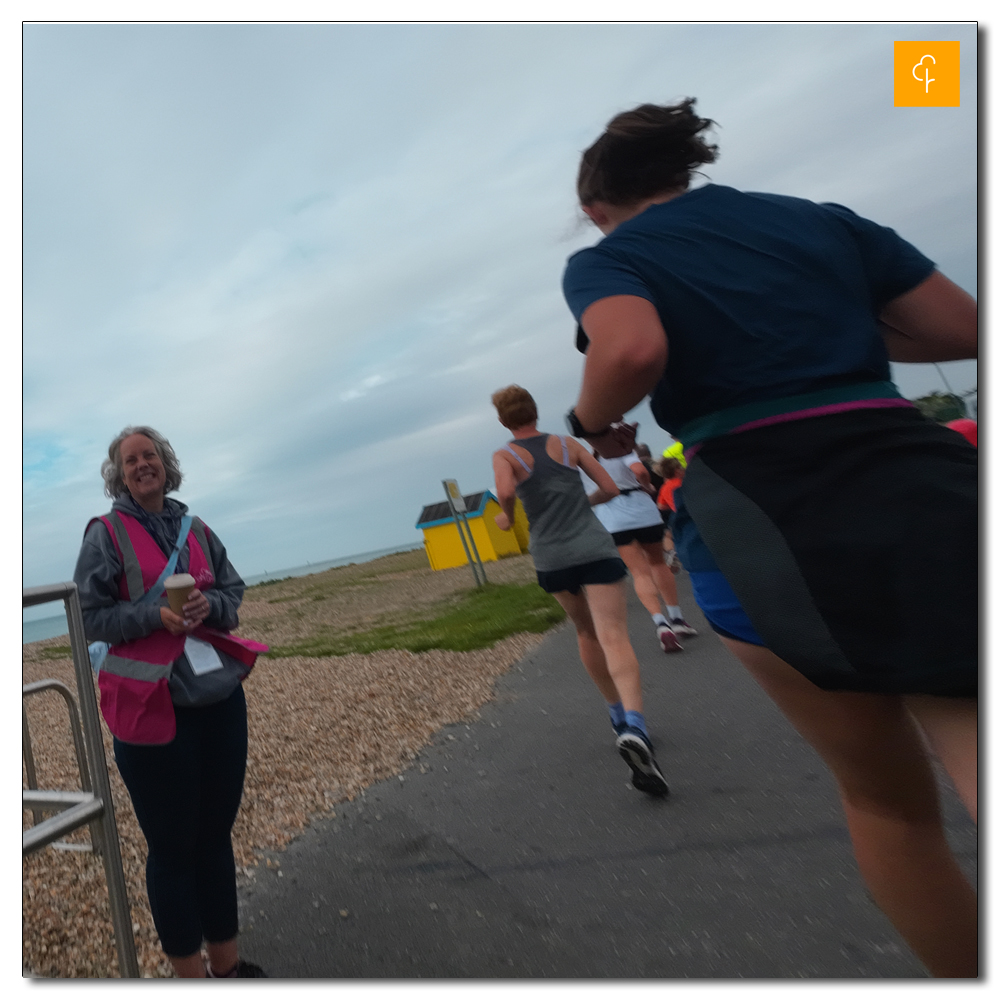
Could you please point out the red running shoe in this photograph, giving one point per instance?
(668, 639)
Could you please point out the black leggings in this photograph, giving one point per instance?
(186, 794)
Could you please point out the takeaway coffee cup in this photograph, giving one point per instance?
(178, 587)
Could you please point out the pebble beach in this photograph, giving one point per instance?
(321, 730)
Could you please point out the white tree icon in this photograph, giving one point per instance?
(926, 79)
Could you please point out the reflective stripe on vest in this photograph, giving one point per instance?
(132, 576)
(143, 560)
(138, 670)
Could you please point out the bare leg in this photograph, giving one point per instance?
(662, 577)
(188, 967)
(223, 955)
(607, 608)
(642, 579)
(575, 605)
(889, 794)
(952, 729)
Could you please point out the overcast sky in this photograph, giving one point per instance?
(307, 254)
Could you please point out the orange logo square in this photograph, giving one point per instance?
(925, 74)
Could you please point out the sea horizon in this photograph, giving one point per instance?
(54, 626)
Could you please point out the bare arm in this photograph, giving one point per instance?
(606, 488)
(936, 321)
(506, 485)
(626, 357)
(641, 473)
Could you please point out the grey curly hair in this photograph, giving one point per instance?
(111, 467)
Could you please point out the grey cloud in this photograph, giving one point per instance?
(308, 254)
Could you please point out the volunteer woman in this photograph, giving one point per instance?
(172, 696)
(763, 326)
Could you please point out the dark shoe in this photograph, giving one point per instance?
(241, 970)
(638, 754)
(247, 970)
(668, 640)
(680, 627)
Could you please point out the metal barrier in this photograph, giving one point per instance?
(92, 805)
(38, 687)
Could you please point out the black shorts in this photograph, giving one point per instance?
(572, 578)
(649, 535)
(850, 543)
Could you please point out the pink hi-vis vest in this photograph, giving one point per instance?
(134, 677)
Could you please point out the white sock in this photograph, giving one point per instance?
(674, 611)
(659, 620)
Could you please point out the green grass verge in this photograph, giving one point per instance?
(477, 619)
(57, 653)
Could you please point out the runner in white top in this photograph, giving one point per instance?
(636, 525)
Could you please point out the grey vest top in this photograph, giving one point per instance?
(563, 530)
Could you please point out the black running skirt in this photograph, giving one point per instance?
(851, 542)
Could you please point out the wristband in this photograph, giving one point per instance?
(577, 429)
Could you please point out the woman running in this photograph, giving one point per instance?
(763, 327)
(576, 561)
(636, 525)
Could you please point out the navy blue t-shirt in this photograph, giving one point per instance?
(762, 296)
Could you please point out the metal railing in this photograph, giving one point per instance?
(92, 805)
(27, 750)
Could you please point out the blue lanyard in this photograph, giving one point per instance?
(99, 650)
(153, 594)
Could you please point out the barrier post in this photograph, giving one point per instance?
(456, 504)
(93, 806)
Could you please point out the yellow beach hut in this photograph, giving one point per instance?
(443, 544)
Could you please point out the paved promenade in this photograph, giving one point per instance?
(516, 847)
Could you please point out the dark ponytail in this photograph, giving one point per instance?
(643, 153)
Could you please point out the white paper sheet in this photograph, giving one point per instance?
(201, 655)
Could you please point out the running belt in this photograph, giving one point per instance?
(837, 399)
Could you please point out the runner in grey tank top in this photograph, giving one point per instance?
(577, 562)
(564, 530)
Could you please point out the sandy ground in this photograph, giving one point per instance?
(321, 729)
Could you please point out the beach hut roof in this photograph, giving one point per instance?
(439, 513)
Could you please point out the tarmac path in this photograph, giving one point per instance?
(515, 846)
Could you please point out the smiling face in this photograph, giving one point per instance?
(143, 472)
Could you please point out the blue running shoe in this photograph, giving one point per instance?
(638, 754)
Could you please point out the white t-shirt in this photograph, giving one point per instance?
(627, 510)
